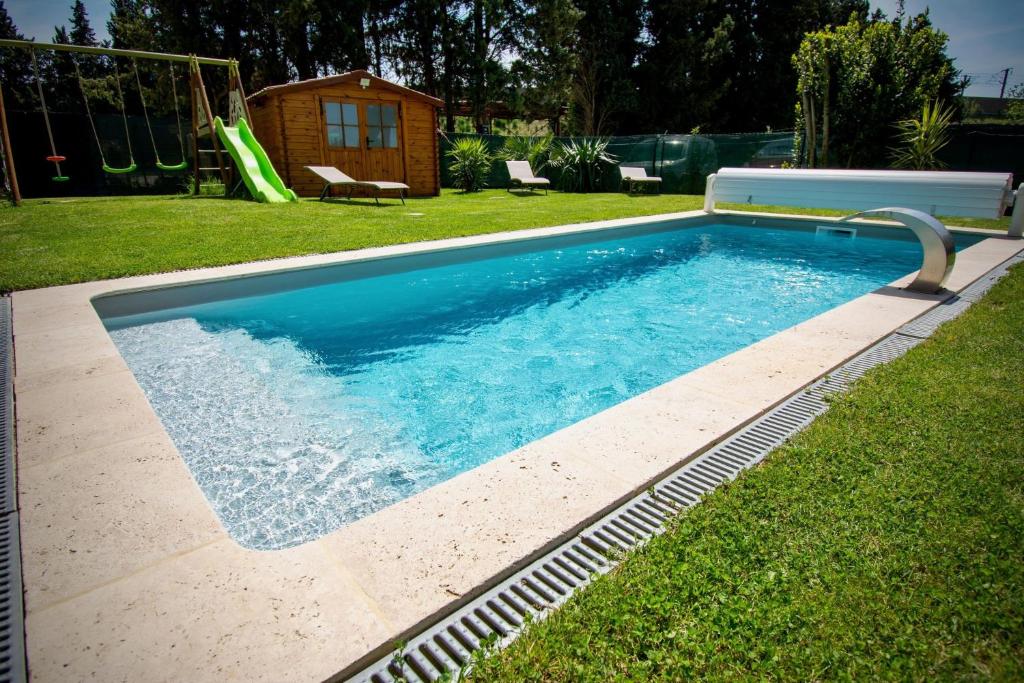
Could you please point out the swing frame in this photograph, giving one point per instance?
(202, 114)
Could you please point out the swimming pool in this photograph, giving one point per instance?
(321, 399)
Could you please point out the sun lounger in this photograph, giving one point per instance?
(332, 177)
(637, 177)
(521, 175)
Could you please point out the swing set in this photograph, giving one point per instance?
(202, 115)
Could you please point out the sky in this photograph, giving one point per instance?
(985, 36)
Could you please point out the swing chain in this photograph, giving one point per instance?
(124, 112)
(88, 110)
(145, 111)
(177, 113)
(54, 157)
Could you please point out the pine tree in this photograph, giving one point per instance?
(548, 61)
(81, 32)
(59, 80)
(132, 26)
(15, 65)
(604, 91)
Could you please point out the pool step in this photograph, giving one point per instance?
(496, 617)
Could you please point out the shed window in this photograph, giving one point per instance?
(342, 120)
(381, 125)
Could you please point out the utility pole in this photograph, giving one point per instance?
(1006, 74)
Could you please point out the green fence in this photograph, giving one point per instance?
(981, 147)
(682, 161)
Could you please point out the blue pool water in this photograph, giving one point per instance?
(301, 411)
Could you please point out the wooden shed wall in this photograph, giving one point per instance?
(289, 125)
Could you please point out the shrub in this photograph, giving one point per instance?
(921, 139)
(471, 162)
(854, 81)
(581, 162)
(535, 150)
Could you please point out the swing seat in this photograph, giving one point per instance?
(116, 171)
(172, 167)
(60, 178)
(56, 158)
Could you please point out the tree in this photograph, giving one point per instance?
(547, 61)
(685, 67)
(856, 81)
(721, 64)
(15, 65)
(454, 57)
(132, 26)
(81, 31)
(494, 28)
(760, 67)
(1015, 109)
(61, 78)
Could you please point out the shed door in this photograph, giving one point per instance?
(383, 141)
(343, 136)
(363, 138)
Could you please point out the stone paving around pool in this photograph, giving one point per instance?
(129, 575)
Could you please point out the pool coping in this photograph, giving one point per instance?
(129, 574)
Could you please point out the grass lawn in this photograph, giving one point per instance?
(884, 542)
(61, 241)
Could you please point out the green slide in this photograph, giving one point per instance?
(258, 173)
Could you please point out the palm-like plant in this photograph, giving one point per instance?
(471, 163)
(921, 139)
(581, 162)
(526, 148)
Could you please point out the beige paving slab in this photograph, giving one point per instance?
(215, 614)
(98, 462)
(978, 259)
(647, 436)
(74, 416)
(58, 377)
(46, 318)
(121, 508)
(429, 550)
(45, 352)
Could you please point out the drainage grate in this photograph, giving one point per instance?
(926, 325)
(7, 493)
(12, 616)
(496, 617)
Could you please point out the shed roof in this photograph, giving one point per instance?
(375, 82)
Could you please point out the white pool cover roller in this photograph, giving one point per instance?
(946, 193)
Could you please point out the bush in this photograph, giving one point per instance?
(471, 162)
(921, 139)
(581, 162)
(855, 81)
(526, 148)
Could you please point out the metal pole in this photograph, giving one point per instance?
(137, 54)
(12, 177)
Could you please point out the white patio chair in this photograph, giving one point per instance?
(332, 177)
(636, 177)
(521, 175)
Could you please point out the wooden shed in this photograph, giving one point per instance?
(370, 128)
